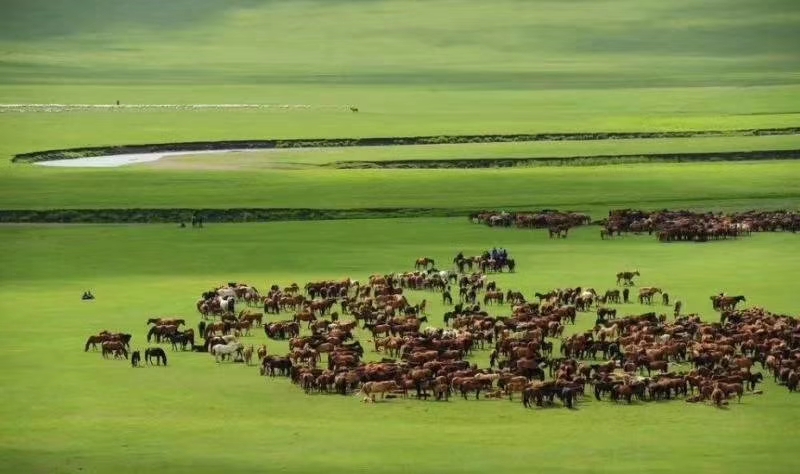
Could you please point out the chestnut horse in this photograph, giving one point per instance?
(423, 262)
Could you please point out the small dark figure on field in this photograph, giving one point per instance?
(183, 225)
(136, 359)
(353, 109)
(87, 295)
(117, 102)
(665, 299)
(447, 298)
(625, 294)
(678, 306)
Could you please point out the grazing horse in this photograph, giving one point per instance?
(220, 351)
(157, 354)
(353, 109)
(114, 347)
(646, 294)
(93, 341)
(423, 262)
(717, 396)
(182, 339)
(626, 277)
(369, 389)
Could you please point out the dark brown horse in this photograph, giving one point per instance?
(626, 278)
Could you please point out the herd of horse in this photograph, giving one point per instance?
(688, 226)
(556, 222)
(668, 226)
(643, 357)
(630, 356)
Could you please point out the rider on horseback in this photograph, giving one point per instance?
(503, 256)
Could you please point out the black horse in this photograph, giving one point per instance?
(136, 358)
(156, 353)
(181, 340)
(569, 396)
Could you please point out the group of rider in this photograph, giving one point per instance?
(500, 256)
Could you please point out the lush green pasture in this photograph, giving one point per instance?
(763, 184)
(67, 411)
(384, 111)
(412, 68)
(424, 68)
(542, 44)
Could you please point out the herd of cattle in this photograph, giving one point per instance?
(529, 356)
(668, 226)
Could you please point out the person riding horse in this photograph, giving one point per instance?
(87, 295)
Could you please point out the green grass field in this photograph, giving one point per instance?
(65, 410)
(412, 68)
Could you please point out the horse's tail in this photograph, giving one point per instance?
(164, 357)
(88, 341)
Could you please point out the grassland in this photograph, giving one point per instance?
(65, 410)
(589, 188)
(412, 68)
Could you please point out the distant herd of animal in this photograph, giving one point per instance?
(643, 357)
(668, 226)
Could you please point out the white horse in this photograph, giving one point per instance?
(226, 292)
(222, 350)
(226, 303)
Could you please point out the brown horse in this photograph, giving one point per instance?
(723, 303)
(646, 294)
(493, 296)
(717, 396)
(247, 354)
(626, 278)
(423, 262)
(253, 318)
(731, 388)
(166, 321)
(306, 316)
(114, 347)
(94, 341)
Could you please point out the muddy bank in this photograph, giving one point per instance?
(597, 160)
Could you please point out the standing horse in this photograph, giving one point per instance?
(136, 358)
(423, 262)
